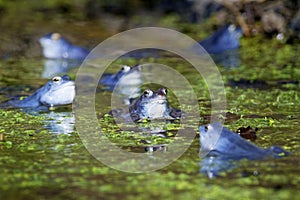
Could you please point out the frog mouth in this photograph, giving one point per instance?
(64, 86)
(160, 101)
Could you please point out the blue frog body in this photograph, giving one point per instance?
(56, 47)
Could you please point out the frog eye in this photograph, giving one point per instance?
(55, 36)
(56, 79)
(232, 28)
(148, 93)
(125, 68)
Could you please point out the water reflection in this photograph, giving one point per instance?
(59, 122)
(213, 166)
(53, 67)
(228, 59)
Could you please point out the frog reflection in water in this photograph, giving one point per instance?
(153, 105)
(221, 147)
(58, 91)
(56, 47)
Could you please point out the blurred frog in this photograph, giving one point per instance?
(56, 47)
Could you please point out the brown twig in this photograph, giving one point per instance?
(2, 137)
(236, 12)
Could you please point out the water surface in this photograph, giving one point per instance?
(43, 157)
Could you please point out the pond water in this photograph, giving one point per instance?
(43, 157)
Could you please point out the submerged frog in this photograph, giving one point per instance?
(58, 91)
(153, 105)
(221, 147)
(56, 47)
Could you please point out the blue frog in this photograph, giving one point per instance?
(153, 105)
(226, 38)
(220, 147)
(58, 91)
(125, 76)
(56, 47)
(126, 82)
